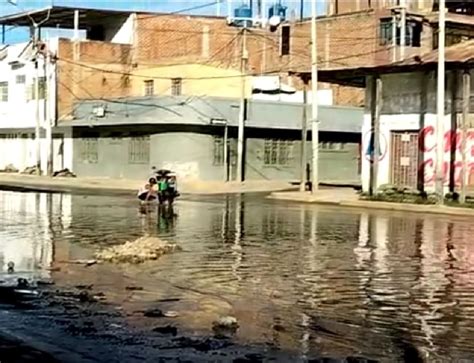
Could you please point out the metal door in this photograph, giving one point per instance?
(404, 158)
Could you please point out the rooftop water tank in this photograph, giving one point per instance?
(244, 12)
(277, 10)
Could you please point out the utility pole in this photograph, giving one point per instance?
(466, 97)
(48, 113)
(439, 187)
(240, 136)
(403, 28)
(37, 108)
(314, 105)
(304, 137)
(36, 38)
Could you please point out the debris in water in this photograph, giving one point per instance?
(138, 251)
(166, 330)
(84, 262)
(170, 314)
(133, 288)
(84, 296)
(84, 287)
(225, 326)
(22, 283)
(11, 267)
(154, 313)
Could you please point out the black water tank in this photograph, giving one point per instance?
(96, 32)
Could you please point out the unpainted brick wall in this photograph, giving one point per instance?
(91, 70)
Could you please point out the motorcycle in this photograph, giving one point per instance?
(162, 186)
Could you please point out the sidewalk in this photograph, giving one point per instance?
(129, 187)
(345, 197)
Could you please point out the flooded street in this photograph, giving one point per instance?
(309, 281)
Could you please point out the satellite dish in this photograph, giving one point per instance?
(274, 21)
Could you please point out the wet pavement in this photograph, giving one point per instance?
(304, 282)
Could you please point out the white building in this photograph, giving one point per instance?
(19, 112)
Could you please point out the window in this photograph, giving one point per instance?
(176, 86)
(20, 79)
(42, 88)
(139, 150)
(31, 89)
(3, 91)
(89, 150)
(385, 31)
(331, 146)
(125, 79)
(149, 87)
(285, 40)
(218, 151)
(278, 152)
(412, 33)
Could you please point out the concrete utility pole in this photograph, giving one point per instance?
(304, 138)
(314, 105)
(37, 108)
(36, 40)
(439, 187)
(440, 104)
(240, 136)
(48, 113)
(466, 98)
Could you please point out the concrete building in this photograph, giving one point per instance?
(407, 127)
(188, 135)
(19, 112)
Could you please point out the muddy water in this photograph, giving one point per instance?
(312, 280)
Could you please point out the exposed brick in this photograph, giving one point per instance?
(344, 40)
(79, 79)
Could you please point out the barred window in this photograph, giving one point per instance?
(218, 150)
(176, 86)
(149, 87)
(89, 150)
(3, 91)
(139, 150)
(278, 152)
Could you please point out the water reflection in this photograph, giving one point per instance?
(322, 281)
(27, 233)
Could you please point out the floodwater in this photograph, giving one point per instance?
(312, 280)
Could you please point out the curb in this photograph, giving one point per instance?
(395, 207)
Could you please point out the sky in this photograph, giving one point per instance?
(201, 7)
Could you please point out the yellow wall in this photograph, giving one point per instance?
(226, 82)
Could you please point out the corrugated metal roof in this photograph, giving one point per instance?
(61, 17)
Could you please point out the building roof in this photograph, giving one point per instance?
(62, 17)
(200, 111)
(453, 18)
(459, 56)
